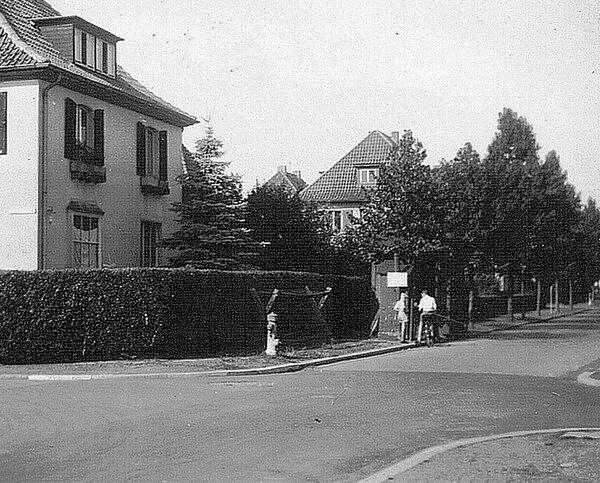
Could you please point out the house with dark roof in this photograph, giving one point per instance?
(341, 189)
(292, 182)
(89, 156)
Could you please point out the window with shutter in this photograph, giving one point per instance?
(84, 142)
(152, 160)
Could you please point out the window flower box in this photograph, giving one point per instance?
(151, 185)
(89, 173)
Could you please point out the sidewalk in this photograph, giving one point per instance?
(567, 454)
(242, 366)
(501, 322)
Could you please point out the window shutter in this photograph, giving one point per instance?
(162, 155)
(141, 149)
(70, 127)
(3, 120)
(99, 136)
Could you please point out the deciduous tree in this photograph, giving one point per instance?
(401, 215)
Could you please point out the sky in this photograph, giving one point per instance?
(300, 83)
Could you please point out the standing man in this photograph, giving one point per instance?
(427, 308)
(401, 308)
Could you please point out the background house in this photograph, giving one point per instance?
(292, 182)
(340, 190)
(88, 155)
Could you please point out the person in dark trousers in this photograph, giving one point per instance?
(427, 307)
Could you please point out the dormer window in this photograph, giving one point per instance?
(367, 176)
(94, 52)
(81, 42)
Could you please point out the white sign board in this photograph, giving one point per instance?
(397, 279)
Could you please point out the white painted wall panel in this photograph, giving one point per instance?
(19, 178)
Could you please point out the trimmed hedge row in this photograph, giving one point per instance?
(73, 315)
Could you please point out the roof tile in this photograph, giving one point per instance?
(340, 183)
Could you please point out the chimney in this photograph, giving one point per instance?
(396, 136)
(281, 169)
(297, 173)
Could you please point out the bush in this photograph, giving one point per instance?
(72, 315)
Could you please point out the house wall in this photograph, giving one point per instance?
(19, 178)
(120, 197)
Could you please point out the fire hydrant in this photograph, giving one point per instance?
(272, 340)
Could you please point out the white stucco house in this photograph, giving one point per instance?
(88, 156)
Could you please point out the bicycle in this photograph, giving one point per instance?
(427, 330)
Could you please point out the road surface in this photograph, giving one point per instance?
(342, 422)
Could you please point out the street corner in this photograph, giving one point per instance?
(561, 454)
(589, 378)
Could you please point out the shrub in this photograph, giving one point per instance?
(73, 315)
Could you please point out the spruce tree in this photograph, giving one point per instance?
(211, 214)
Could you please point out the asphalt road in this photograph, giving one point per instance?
(335, 423)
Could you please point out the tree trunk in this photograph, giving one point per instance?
(538, 302)
(571, 295)
(509, 307)
(470, 309)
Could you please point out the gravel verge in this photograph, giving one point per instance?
(254, 361)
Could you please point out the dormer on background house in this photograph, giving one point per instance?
(89, 156)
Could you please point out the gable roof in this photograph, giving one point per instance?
(290, 180)
(340, 184)
(25, 51)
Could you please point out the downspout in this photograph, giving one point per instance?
(42, 179)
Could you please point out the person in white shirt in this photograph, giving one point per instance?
(401, 309)
(427, 307)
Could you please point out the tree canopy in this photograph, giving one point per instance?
(292, 233)
(400, 216)
(508, 212)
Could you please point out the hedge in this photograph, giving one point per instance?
(74, 315)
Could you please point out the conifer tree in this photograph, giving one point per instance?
(211, 214)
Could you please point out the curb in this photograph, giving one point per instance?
(279, 369)
(531, 321)
(406, 464)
